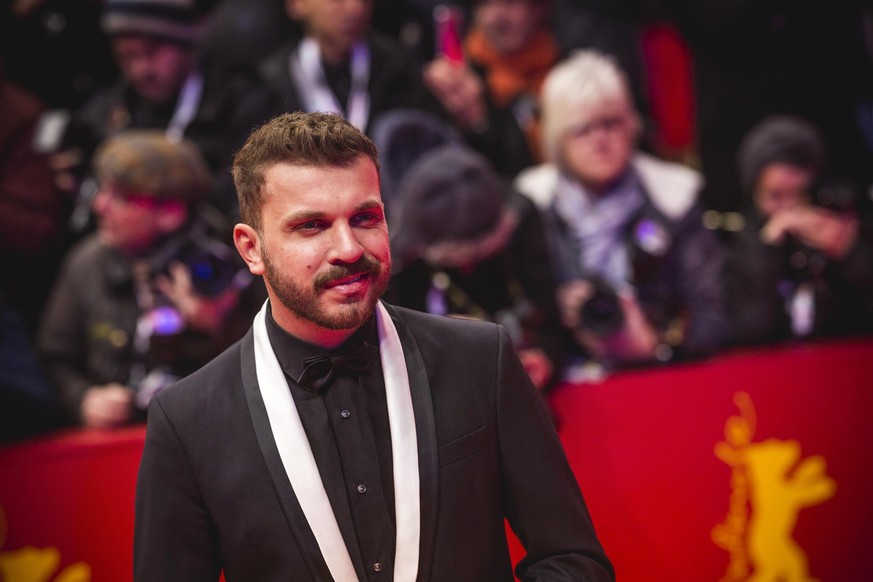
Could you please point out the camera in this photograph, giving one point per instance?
(214, 266)
(602, 313)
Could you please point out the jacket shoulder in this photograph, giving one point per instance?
(441, 332)
(673, 188)
(224, 372)
(85, 258)
(538, 184)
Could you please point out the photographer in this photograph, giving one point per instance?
(625, 227)
(465, 244)
(151, 295)
(164, 82)
(802, 265)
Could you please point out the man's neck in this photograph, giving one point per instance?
(308, 331)
(333, 54)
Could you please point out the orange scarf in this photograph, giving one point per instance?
(508, 76)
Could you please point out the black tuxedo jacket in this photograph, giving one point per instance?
(212, 493)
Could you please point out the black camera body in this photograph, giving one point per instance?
(602, 314)
(214, 267)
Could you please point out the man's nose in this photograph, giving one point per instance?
(345, 246)
(100, 201)
(358, 8)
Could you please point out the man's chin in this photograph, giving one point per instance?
(346, 316)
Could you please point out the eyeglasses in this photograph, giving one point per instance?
(609, 125)
(119, 197)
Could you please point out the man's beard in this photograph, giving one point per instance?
(304, 302)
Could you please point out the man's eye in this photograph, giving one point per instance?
(367, 219)
(309, 226)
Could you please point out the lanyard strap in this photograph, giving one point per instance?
(306, 70)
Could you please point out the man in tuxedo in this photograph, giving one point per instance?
(343, 438)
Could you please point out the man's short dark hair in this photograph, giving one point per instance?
(304, 139)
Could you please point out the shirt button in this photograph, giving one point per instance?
(377, 567)
(345, 413)
(362, 488)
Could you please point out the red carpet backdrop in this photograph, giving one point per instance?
(752, 466)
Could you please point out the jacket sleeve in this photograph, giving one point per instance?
(174, 539)
(702, 285)
(544, 505)
(62, 344)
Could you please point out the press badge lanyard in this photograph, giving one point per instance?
(186, 107)
(316, 93)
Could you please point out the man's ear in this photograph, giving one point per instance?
(248, 245)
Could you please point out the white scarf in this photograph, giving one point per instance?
(316, 93)
(598, 225)
(299, 462)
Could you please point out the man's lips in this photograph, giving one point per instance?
(350, 280)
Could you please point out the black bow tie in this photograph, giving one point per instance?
(318, 370)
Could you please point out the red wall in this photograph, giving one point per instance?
(641, 444)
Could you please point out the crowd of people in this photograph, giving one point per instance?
(520, 181)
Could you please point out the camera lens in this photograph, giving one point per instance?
(602, 313)
(210, 273)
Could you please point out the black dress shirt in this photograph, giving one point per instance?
(348, 430)
(339, 79)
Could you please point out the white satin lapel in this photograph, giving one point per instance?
(297, 456)
(404, 447)
(302, 471)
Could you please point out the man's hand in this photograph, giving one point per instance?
(636, 341)
(62, 164)
(107, 406)
(459, 90)
(572, 295)
(815, 227)
(206, 314)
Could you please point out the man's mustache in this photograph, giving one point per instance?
(365, 265)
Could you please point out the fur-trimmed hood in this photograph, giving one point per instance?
(671, 187)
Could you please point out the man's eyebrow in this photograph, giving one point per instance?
(304, 215)
(369, 205)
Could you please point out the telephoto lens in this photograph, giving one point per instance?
(601, 314)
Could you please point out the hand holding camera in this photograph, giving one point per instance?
(200, 312)
(200, 277)
(609, 324)
(819, 228)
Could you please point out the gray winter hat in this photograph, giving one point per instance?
(779, 139)
(172, 20)
(450, 195)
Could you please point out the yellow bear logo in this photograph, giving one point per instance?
(36, 564)
(770, 485)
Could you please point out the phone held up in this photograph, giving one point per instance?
(448, 23)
